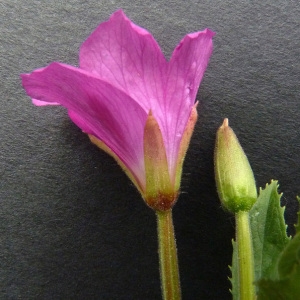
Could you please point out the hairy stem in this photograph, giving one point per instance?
(245, 256)
(169, 273)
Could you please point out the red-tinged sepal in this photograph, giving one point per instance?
(160, 194)
(184, 145)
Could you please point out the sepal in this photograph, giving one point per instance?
(160, 194)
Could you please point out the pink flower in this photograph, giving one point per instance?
(131, 101)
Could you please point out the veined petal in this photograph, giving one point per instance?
(128, 57)
(188, 64)
(81, 123)
(97, 107)
(185, 71)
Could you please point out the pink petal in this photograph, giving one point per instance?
(96, 107)
(128, 57)
(43, 103)
(185, 71)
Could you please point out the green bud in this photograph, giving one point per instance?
(234, 177)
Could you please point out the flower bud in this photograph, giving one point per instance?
(234, 177)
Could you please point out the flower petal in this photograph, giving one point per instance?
(43, 103)
(185, 71)
(188, 64)
(128, 57)
(97, 107)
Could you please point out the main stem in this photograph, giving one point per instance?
(168, 262)
(245, 256)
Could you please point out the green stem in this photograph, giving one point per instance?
(245, 256)
(169, 274)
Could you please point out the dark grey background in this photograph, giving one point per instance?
(72, 226)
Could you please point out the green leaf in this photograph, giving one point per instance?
(288, 285)
(289, 260)
(269, 238)
(268, 230)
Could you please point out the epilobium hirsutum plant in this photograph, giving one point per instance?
(136, 106)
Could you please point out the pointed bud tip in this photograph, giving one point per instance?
(225, 123)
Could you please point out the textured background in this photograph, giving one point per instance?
(71, 223)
